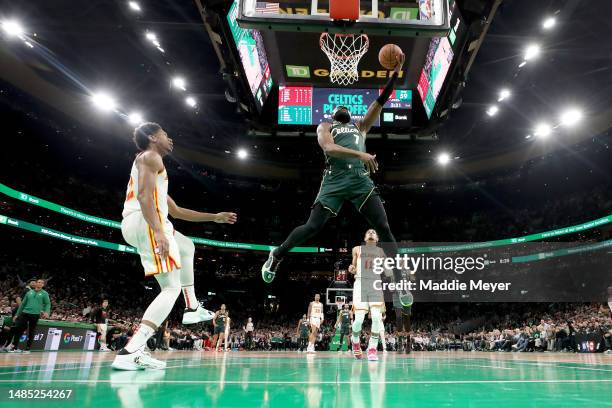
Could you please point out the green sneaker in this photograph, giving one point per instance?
(406, 299)
(268, 270)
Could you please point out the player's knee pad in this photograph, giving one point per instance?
(358, 322)
(377, 323)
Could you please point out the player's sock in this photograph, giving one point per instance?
(158, 310)
(373, 343)
(191, 301)
(139, 339)
(187, 251)
(357, 324)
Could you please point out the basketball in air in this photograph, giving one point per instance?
(387, 56)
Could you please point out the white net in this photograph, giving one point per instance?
(344, 52)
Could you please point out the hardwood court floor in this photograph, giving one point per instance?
(327, 379)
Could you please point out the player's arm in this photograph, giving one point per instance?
(326, 141)
(375, 108)
(46, 306)
(24, 302)
(148, 165)
(215, 318)
(197, 216)
(297, 329)
(353, 266)
(308, 314)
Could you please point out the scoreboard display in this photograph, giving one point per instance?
(305, 105)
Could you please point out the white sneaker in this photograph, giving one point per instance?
(138, 360)
(104, 348)
(197, 316)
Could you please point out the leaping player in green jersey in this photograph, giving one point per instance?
(346, 178)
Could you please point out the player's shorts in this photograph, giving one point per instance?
(367, 298)
(340, 185)
(315, 321)
(137, 233)
(344, 330)
(219, 329)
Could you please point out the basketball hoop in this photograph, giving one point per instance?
(344, 52)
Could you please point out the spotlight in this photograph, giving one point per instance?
(179, 82)
(135, 118)
(151, 36)
(492, 111)
(104, 101)
(190, 101)
(12, 28)
(570, 117)
(532, 51)
(542, 130)
(504, 94)
(549, 23)
(134, 5)
(443, 159)
(242, 154)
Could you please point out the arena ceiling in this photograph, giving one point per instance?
(83, 47)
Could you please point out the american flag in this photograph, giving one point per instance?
(267, 8)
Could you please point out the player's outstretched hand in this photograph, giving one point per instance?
(370, 161)
(400, 58)
(226, 218)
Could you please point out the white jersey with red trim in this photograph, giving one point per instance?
(365, 261)
(365, 294)
(138, 233)
(316, 310)
(160, 194)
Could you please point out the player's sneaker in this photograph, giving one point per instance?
(310, 350)
(406, 298)
(197, 315)
(357, 350)
(104, 348)
(372, 354)
(138, 360)
(268, 270)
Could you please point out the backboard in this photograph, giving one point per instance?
(424, 18)
(278, 46)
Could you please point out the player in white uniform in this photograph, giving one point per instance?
(315, 318)
(164, 252)
(365, 297)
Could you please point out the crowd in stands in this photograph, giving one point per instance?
(529, 199)
(518, 327)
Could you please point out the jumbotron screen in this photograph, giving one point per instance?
(438, 61)
(252, 56)
(305, 105)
